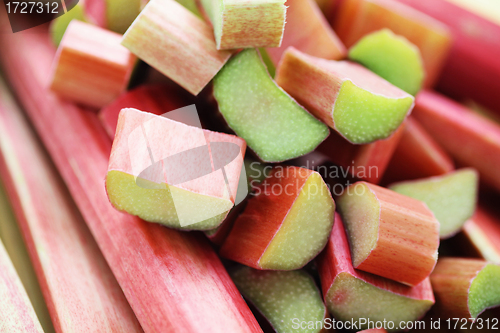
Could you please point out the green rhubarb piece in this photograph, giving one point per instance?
(484, 292)
(271, 122)
(59, 25)
(121, 13)
(268, 62)
(392, 57)
(451, 197)
(285, 299)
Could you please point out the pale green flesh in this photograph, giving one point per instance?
(391, 57)
(451, 197)
(156, 204)
(363, 117)
(281, 297)
(360, 211)
(59, 25)
(350, 298)
(484, 291)
(306, 229)
(270, 121)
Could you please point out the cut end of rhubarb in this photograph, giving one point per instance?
(270, 121)
(484, 292)
(392, 57)
(292, 247)
(282, 297)
(451, 197)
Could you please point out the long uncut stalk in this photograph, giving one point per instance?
(173, 281)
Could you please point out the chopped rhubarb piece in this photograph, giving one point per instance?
(285, 225)
(91, 67)
(56, 236)
(157, 173)
(464, 288)
(391, 235)
(351, 294)
(285, 299)
(472, 71)
(366, 162)
(157, 99)
(469, 138)
(451, 197)
(417, 155)
(121, 13)
(482, 233)
(391, 57)
(359, 105)
(357, 18)
(177, 43)
(160, 270)
(16, 311)
(60, 24)
(270, 121)
(246, 24)
(308, 31)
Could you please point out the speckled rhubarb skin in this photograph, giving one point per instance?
(160, 270)
(471, 139)
(91, 67)
(16, 312)
(451, 282)
(482, 233)
(336, 259)
(356, 18)
(308, 31)
(417, 155)
(177, 43)
(408, 238)
(79, 297)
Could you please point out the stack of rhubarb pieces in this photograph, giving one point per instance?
(249, 166)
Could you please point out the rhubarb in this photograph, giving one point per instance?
(285, 225)
(177, 43)
(91, 67)
(56, 236)
(392, 57)
(359, 105)
(356, 18)
(417, 155)
(469, 138)
(482, 233)
(464, 288)
(160, 270)
(252, 23)
(60, 24)
(16, 312)
(451, 197)
(391, 235)
(308, 31)
(157, 174)
(285, 299)
(351, 294)
(270, 121)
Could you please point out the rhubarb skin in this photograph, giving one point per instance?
(155, 98)
(165, 263)
(16, 312)
(164, 202)
(247, 24)
(469, 138)
(389, 300)
(359, 105)
(366, 162)
(308, 31)
(356, 18)
(482, 234)
(278, 218)
(177, 43)
(472, 71)
(417, 155)
(464, 288)
(79, 297)
(391, 235)
(91, 67)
